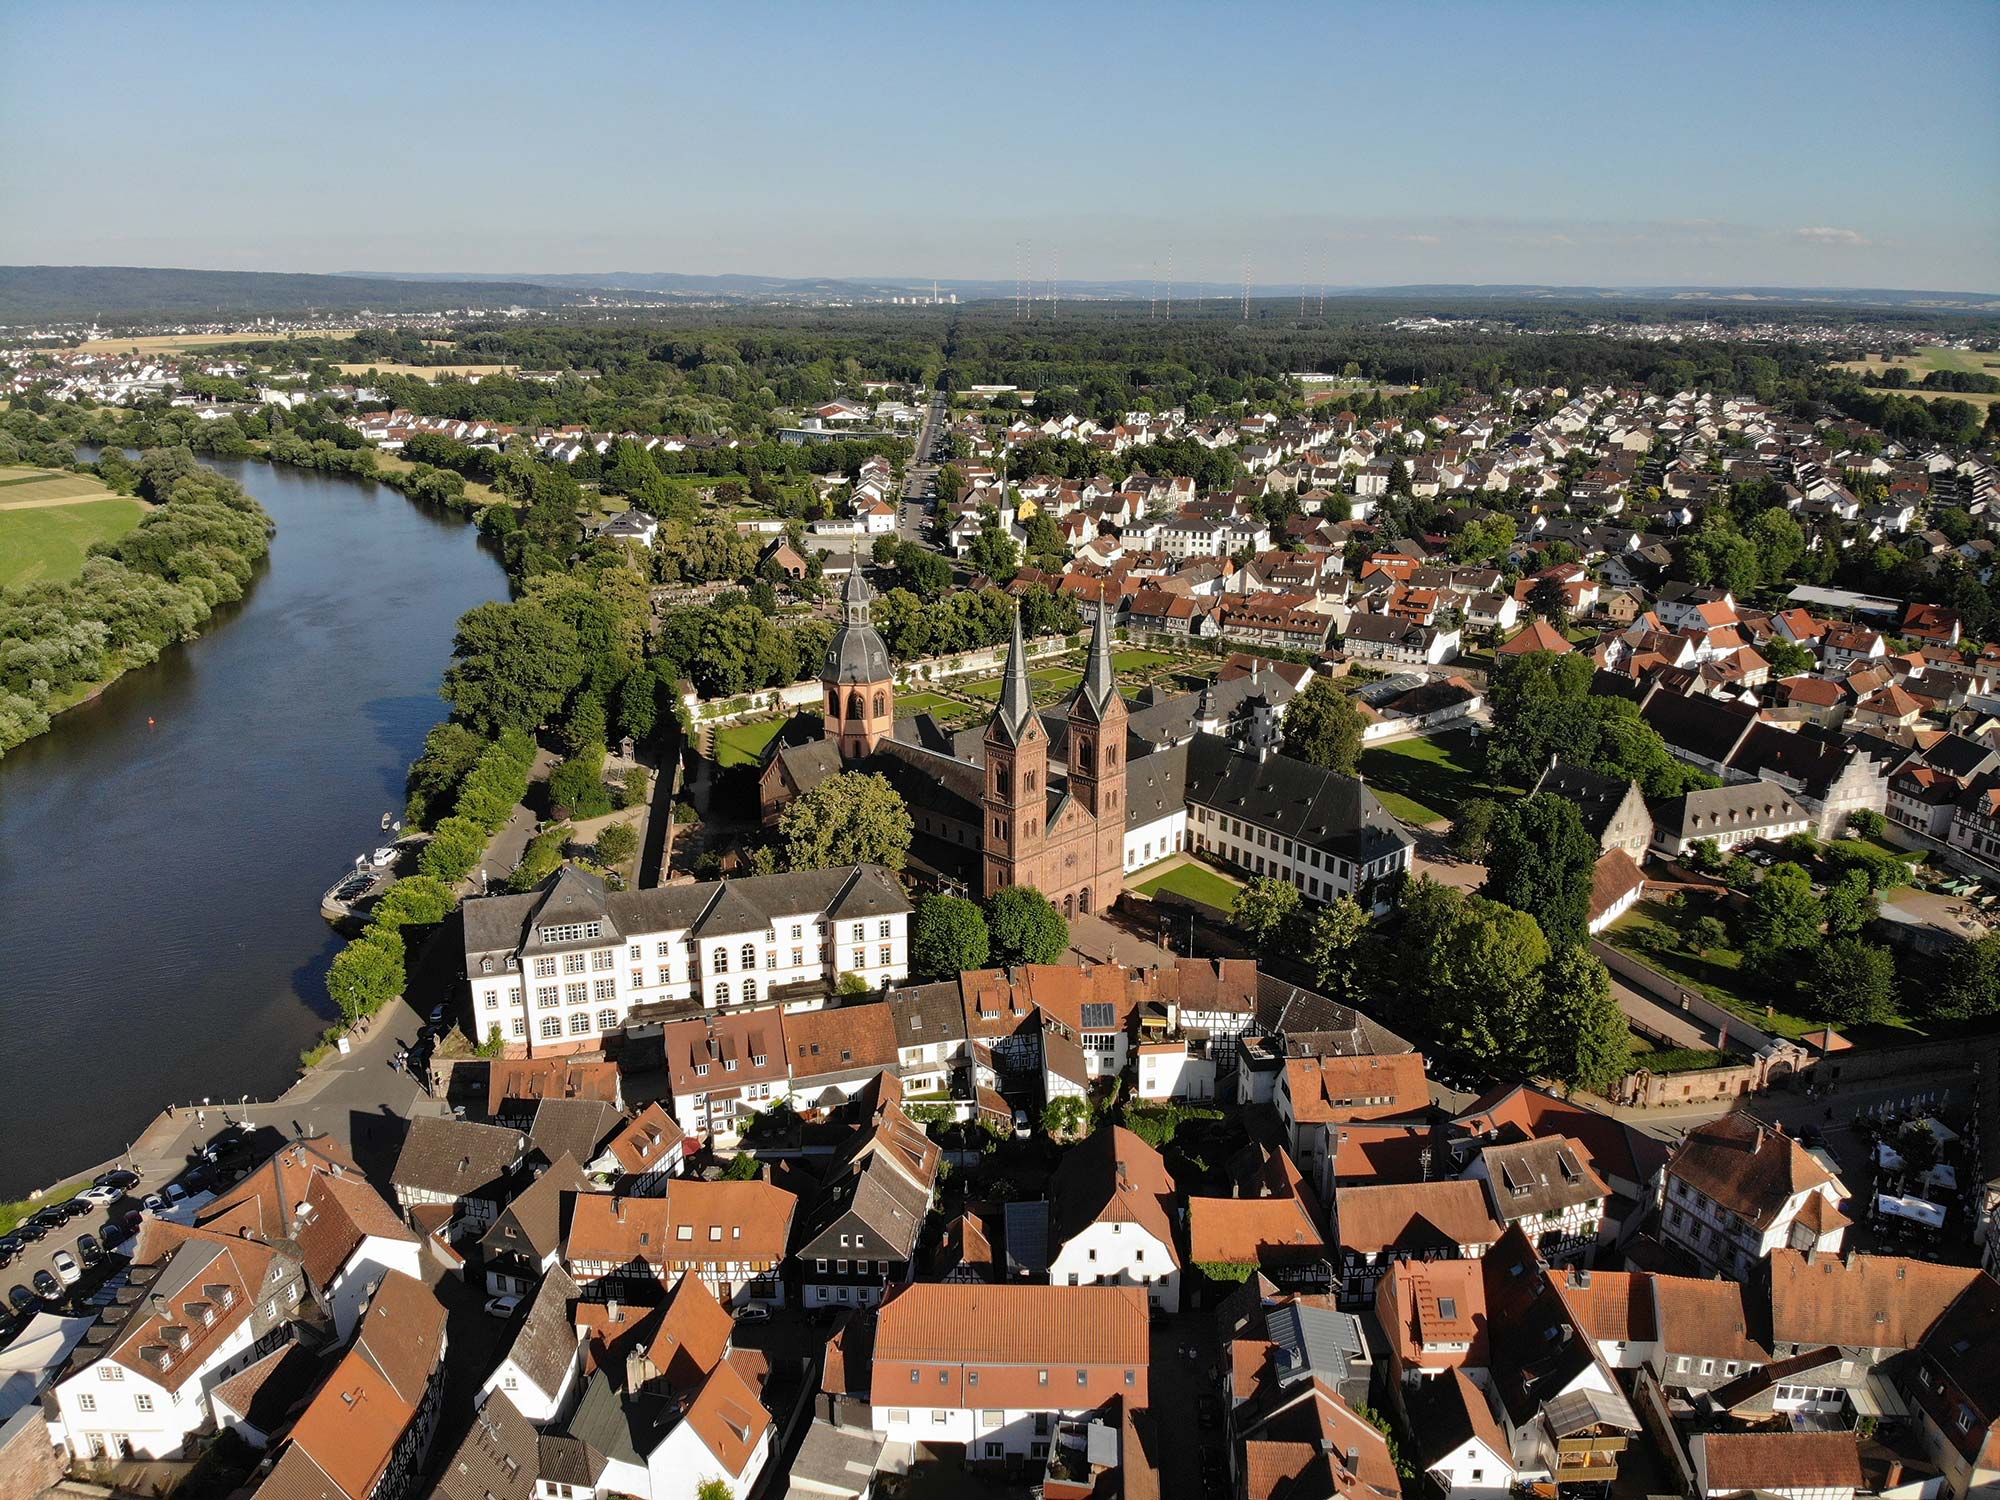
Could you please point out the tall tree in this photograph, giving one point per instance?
(1541, 860)
(1323, 726)
(850, 818)
(1331, 947)
(512, 667)
(947, 937)
(1026, 928)
(1854, 982)
(1265, 909)
(1584, 1039)
(1782, 924)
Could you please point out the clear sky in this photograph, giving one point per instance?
(1607, 141)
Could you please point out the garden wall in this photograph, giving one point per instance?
(1670, 992)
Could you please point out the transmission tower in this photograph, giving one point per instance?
(1170, 283)
(1246, 289)
(1031, 280)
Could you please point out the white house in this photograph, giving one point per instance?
(1109, 1224)
(542, 1366)
(1737, 1189)
(559, 969)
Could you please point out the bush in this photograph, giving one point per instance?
(367, 974)
(633, 786)
(1881, 870)
(415, 900)
(541, 859)
(1865, 823)
(616, 843)
(576, 786)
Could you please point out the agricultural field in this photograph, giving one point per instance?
(1920, 362)
(424, 372)
(49, 519)
(179, 343)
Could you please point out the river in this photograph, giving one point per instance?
(163, 849)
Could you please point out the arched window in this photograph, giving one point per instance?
(1083, 900)
(749, 990)
(1083, 753)
(856, 706)
(833, 704)
(1110, 755)
(1000, 780)
(722, 993)
(749, 955)
(881, 704)
(1069, 906)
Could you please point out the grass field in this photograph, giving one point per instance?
(1048, 684)
(1141, 661)
(1920, 362)
(426, 372)
(1424, 780)
(21, 486)
(175, 343)
(947, 711)
(1195, 882)
(1718, 973)
(49, 544)
(13, 1213)
(742, 744)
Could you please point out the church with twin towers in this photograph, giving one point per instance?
(1072, 798)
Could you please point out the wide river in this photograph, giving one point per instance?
(163, 849)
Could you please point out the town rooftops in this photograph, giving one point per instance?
(1545, 1176)
(1786, 1462)
(1321, 808)
(1860, 1301)
(456, 1158)
(1028, 1332)
(1414, 1217)
(694, 1221)
(1369, 1087)
(647, 1140)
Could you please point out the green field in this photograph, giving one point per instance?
(743, 744)
(20, 483)
(48, 543)
(1718, 973)
(1425, 780)
(1141, 661)
(946, 711)
(1048, 685)
(1196, 882)
(13, 1213)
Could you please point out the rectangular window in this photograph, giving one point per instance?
(884, 930)
(884, 958)
(798, 957)
(666, 975)
(520, 1026)
(638, 979)
(142, 1402)
(546, 995)
(86, 1402)
(860, 958)
(601, 959)
(576, 994)
(663, 950)
(604, 989)
(545, 968)
(572, 963)
(571, 932)
(636, 952)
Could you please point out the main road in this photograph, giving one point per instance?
(919, 484)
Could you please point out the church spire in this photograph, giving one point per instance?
(855, 594)
(1017, 703)
(1098, 681)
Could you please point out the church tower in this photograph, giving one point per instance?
(1017, 777)
(1096, 752)
(857, 680)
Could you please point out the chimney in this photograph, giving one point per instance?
(611, 1310)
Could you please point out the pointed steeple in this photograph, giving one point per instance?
(1017, 703)
(855, 594)
(1098, 680)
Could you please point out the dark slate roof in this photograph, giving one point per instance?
(1316, 806)
(1155, 785)
(1705, 728)
(1955, 755)
(1597, 796)
(1017, 704)
(811, 763)
(572, 1127)
(536, 1215)
(454, 1157)
(547, 1342)
(1166, 720)
(620, 1429)
(857, 654)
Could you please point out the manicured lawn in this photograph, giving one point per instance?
(49, 543)
(1424, 780)
(743, 744)
(1141, 661)
(1196, 882)
(13, 1213)
(946, 711)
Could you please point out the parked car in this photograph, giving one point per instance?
(115, 1233)
(74, 1208)
(174, 1193)
(8, 1251)
(436, 1017)
(89, 1250)
(47, 1287)
(1021, 1131)
(20, 1298)
(102, 1194)
(118, 1178)
(68, 1272)
(753, 1313)
(153, 1203)
(50, 1218)
(30, 1231)
(502, 1307)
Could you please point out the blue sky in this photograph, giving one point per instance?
(1821, 144)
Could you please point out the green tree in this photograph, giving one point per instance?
(366, 974)
(1705, 934)
(1782, 924)
(1331, 947)
(616, 843)
(1266, 908)
(1541, 861)
(1472, 829)
(541, 859)
(455, 847)
(1550, 600)
(1323, 726)
(948, 936)
(1787, 658)
(1854, 982)
(1849, 904)
(1026, 928)
(576, 785)
(1584, 1039)
(993, 553)
(414, 901)
(1965, 981)
(1065, 1116)
(850, 818)
(512, 667)
(714, 1489)
(634, 782)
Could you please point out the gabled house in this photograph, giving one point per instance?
(1111, 1203)
(1545, 1188)
(858, 1235)
(542, 1365)
(732, 1234)
(468, 1171)
(525, 1238)
(638, 1160)
(1737, 1189)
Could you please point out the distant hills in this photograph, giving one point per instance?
(32, 294)
(35, 294)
